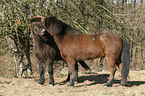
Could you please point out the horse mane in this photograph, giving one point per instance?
(55, 26)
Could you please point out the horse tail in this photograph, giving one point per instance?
(84, 65)
(125, 55)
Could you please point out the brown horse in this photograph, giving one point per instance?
(75, 46)
(46, 51)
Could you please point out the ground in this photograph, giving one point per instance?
(90, 84)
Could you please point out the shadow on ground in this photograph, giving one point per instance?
(102, 79)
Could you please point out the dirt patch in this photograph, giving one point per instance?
(90, 84)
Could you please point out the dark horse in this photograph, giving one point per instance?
(46, 51)
(75, 46)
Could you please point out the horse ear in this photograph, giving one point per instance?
(37, 19)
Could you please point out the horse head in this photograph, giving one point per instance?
(37, 28)
(53, 25)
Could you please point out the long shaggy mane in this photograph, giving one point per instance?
(55, 26)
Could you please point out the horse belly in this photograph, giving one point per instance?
(85, 53)
(91, 54)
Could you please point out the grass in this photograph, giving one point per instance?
(90, 83)
(7, 65)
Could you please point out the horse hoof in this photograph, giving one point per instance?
(70, 85)
(108, 85)
(76, 82)
(51, 85)
(41, 83)
(123, 85)
(67, 80)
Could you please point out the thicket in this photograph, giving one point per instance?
(124, 17)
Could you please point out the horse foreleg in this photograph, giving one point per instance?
(42, 73)
(50, 72)
(76, 74)
(112, 72)
(71, 65)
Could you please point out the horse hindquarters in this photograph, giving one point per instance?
(113, 49)
(121, 58)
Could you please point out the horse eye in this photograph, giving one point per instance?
(35, 28)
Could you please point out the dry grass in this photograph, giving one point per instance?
(7, 65)
(90, 83)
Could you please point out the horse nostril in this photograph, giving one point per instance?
(42, 32)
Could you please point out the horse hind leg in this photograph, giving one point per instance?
(113, 69)
(119, 64)
(123, 75)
